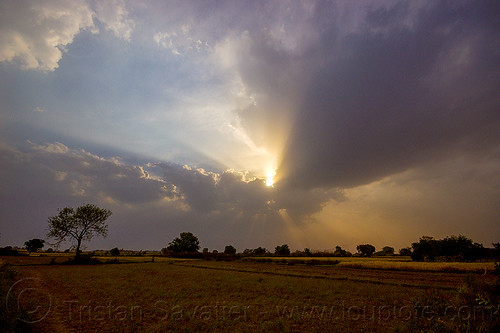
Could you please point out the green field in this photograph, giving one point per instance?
(280, 295)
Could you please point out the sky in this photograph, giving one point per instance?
(252, 123)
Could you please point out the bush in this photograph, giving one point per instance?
(282, 250)
(406, 251)
(114, 252)
(8, 251)
(229, 249)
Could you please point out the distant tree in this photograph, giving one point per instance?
(260, 251)
(79, 225)
(229, 249)
(458, 248)
(425, 248)
(366, 249)
(205, 250)
(496, 252)
(34, 244)
(406, 251)
(114, 252)
(307, 252)
(389, 251)
(8, 251)
(282, 250)
(187, 242)
(339, 251)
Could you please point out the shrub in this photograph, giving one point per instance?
(282, 250)
(229, 249)
(8, 251)
(114, 252)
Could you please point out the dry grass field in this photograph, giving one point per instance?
(170, 295)
(398, 263)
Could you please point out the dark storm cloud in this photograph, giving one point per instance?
(392, 96)
(229, 193)
(61, 172)
(39, 179)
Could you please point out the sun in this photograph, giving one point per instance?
(270, 177)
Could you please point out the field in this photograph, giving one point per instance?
(276, 294)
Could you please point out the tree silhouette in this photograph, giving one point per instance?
(34, 244)
(366, 249)
(406, 251)
(115, 252)
(187, 242)
(282, 250)
(78, 225)
(230, 249)
(387, 250)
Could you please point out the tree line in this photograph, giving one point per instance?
(85, 222)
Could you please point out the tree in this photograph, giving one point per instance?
(366, 249)
(187, 242)
(425, 248)
(229, 249)
(406, 251)
(34, 244)
(388, 251)
(339, 251)
(282, 250)
(458, 248)
(260, 251)
(114, 252)
(79, 225)
(496, 252)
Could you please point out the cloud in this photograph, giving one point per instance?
(456, 196)
(180, 43)
(85, 176)
(35, 34)
(115, 17)
(382, 101)
(366, 90)
(232, 192)
(230, 204)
